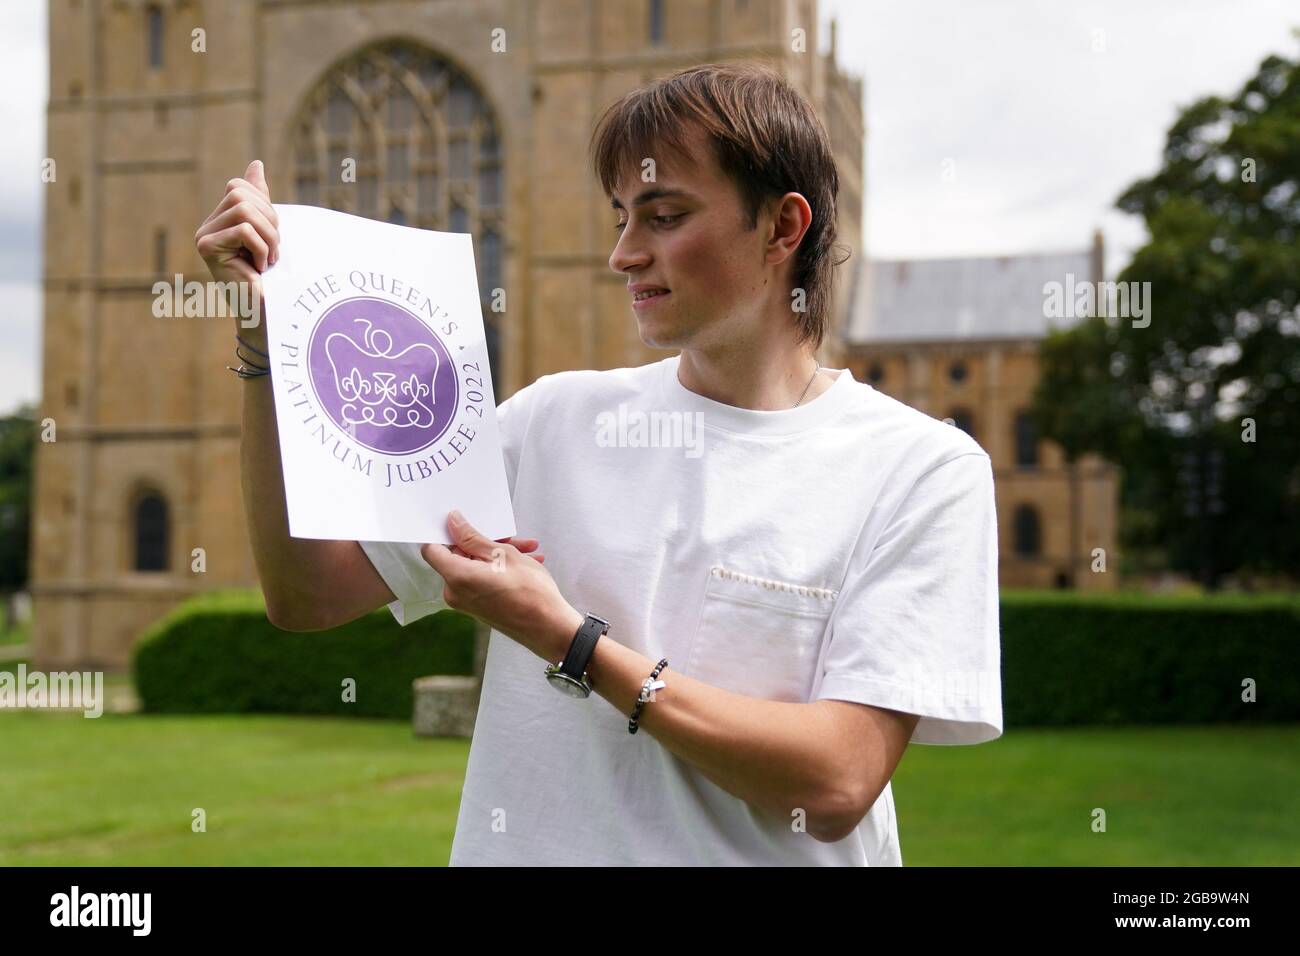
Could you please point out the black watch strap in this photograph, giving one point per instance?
(583, 646)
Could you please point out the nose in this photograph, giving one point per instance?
(629, 252)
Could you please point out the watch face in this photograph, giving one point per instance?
(566, 684)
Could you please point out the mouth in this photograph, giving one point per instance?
(641, 300)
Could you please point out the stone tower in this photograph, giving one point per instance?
(462, 116)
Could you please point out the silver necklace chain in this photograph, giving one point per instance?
(808, 386)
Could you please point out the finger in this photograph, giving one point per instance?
(539, 558)
(441, 559)
(250, 239)
(239, 190)
(256, 174)
(251, 213)
(246, 273)
(224, 246)
(435, 556)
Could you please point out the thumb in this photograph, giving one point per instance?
(256, 174)
(470, 540)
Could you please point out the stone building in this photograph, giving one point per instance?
(462, 116)
(958, 339)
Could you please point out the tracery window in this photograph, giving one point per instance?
(397, 133)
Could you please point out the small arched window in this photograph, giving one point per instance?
(1028, 543)
(1026, 441)
(152, 533)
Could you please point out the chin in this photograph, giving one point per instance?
(655, 338)
(656, 342)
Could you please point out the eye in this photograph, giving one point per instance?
(662, 220)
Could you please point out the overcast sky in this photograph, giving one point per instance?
(1041, 130)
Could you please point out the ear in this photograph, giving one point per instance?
(790, 218)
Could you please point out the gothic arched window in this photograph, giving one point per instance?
(152, 534)
(395, 132)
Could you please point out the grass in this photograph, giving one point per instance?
(20, 633)
(1225, 795)
(309, 790)
(274, 790)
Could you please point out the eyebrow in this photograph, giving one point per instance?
(650, 195)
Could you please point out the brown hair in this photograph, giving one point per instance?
(767, 140)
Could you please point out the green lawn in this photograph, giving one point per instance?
(19, 634)
(1223, 795)
(304, 790)
(276, 790)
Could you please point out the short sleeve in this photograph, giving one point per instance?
(915, 628)
(416, 586)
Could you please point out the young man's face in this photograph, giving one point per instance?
(690, 236)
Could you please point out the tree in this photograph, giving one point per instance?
(1173, 402)
(17, 448)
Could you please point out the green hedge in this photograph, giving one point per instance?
(1067, 659)
(1071, 659)
(218, 653)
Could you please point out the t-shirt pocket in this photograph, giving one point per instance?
(758, 636)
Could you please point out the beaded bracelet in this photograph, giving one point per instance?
(649, 685)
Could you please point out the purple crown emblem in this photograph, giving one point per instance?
(382, 375)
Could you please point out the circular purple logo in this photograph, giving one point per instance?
(382, 375)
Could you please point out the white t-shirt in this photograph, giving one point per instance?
(844, 549)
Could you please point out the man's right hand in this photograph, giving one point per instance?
(240, 239)
(525, 545)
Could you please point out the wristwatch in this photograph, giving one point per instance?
(569, 676)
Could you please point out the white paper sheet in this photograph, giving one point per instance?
(383, 394)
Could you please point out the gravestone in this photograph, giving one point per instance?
(445, 704)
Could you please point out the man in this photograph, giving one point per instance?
(816, 561)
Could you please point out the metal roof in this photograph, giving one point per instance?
(897, 300)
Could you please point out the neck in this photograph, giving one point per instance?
(754, 381)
